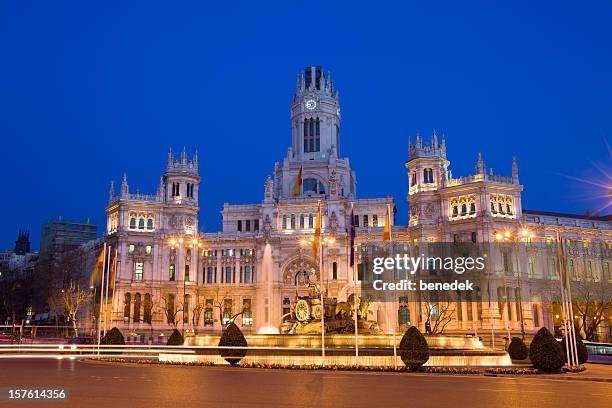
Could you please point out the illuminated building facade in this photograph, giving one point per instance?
(169, 273)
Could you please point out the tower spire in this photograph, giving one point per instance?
(124, 185)
(111, 191)
(184, 156)
(480, 167)
(515, 174)
(434, 140)
(170, 158)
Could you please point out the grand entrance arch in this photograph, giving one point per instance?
(299, 272)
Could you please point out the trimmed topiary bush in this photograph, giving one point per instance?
(517, 349)
(414, 349)
(545, 351)
(232, 336)
(175, 339)
(113, 337)
(583, 353)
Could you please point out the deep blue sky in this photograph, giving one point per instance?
(88, 92)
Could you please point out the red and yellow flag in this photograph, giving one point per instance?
(387, 228)
(298, 183)
(95, 273)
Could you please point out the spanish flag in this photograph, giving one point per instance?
(387, 228)
(97, 269)
(298, 183)
(317, 234)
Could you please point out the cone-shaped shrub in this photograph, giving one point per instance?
(517, 349)
(175, 339)
(113, 337)
(545, 351)
(414, 350)
(583, 353)
(232, 336)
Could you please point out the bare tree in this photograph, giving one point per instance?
(170, 309)
(440, 310)
(199, 307)
(592, 302)
(72, 298)
(219, 303)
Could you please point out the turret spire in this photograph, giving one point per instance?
(111, 191)
(515, 174)
(480, 167)
(124, 185)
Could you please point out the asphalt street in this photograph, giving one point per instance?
(94, 384)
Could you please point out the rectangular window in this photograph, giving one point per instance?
(209, 274)
(171, 272)
(248, 225)
(138, 270)
(256, 226)
(365, 221)
(186, 273)
(239, 225)
(228, 274)
(375, 220)
(335, 271)
(247, 274)
(247, 314)
(209, 313)
(356, 220)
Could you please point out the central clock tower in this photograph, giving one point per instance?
(315, 116)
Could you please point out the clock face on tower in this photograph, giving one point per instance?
(311, 104)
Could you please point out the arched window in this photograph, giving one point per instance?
(141, 223)
(127, 301)
(293, 221)
(312, 186)
(147, 308)
(493, 210)
(302, 217)
(473, 208)
(133, 223)
(150, 223)
(455, 211)
(508, 209)
(137, 308)
(463, 209)
(335, 271)
(500, 208)
(428, 176)
(170, 311)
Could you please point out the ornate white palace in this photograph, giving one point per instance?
(171, 274)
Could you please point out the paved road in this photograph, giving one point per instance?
(92, 384)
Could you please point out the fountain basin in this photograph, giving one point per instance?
(374, 350)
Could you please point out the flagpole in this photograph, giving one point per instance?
(354, 271)
(388, 220)
(107, 282)
(113, 286)
(101, 294)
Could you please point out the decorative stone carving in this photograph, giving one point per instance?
(333, 183)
